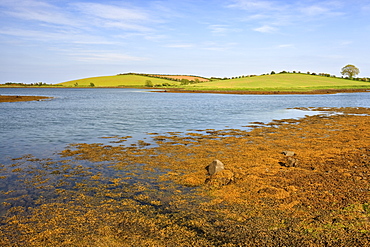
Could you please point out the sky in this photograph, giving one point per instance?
(53, 41)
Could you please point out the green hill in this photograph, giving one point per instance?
(276, 82)
(281, 82)
(126, 80)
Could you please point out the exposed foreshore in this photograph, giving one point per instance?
(292, 182)
(17, 98)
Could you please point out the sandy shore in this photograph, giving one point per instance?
(16, 98)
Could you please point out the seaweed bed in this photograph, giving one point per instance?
(160, 194)
(17, 98)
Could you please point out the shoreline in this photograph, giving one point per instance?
(319, 91)
(157, 194)
(221, 91)
(19, 98)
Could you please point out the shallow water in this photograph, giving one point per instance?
(86, 115)
(161, 195)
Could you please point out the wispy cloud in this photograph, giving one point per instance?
(102, 56)
(219, 29)
(59, 36)
(113, 57)
(115, 16)
(37, 11)
(322, 10)
(265, 29)
(180, 46)
(81, 16)
(222, 29)
(345, 43)
(215, 46)
(112, 12)
(272, 15)
(252, 5)
(365, 8)
(286, 46)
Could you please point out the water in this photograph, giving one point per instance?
(86, 115)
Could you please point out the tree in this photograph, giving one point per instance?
(148, 83)
(350, 70)
(184, 82)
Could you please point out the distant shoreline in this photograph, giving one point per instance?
(5, 98)
(321, 91)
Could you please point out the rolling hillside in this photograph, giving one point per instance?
(127, 80)
(283, 82)
(276, 82)
(187, 77)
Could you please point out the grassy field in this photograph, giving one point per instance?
(282, 82)
(276, 82)
(118, 81)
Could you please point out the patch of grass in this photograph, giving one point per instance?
(281, 82)
(136, 81)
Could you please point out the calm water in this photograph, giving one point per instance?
(86, 115)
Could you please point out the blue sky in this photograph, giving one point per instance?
(55, 41)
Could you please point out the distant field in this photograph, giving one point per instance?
(282, 82)
(117, 81)
(187, 77)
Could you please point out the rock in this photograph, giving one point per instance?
(221, 178)
(214, 167)
(289, 162)
(292, 162)
(288, 153)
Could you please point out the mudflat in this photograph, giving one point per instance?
(16, 98)
(292, 182)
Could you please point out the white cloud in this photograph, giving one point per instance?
(284, 46)
(219, 29)
(366, 8)
(273, 15)
(112, 12)
(82, 16)
(103, 56)
(321, 10)
(265, 29)
(57, 36)
(252, 5)
(126, 26)
(213, 46)
(114, 16)
(314, 10)
(38, 11)
(180, 46)
(345, 43)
